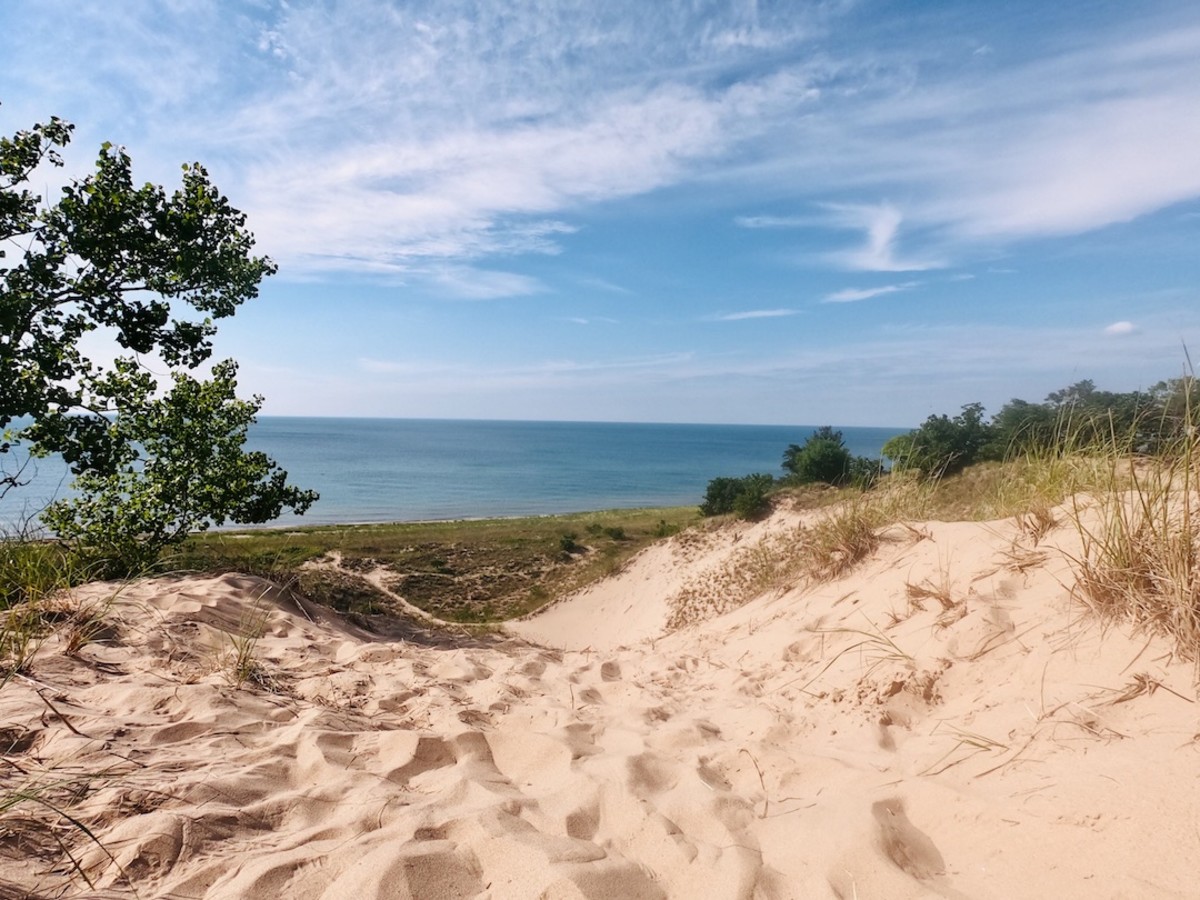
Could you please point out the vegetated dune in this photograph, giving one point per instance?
(943, 721)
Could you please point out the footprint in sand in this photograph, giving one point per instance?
(905, 844)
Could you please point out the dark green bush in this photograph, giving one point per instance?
(941, 446)
(746, 496)
(822, 458)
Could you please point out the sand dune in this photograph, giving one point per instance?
(944, 722)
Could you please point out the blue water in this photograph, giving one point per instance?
(393, 470)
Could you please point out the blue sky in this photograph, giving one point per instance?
(843, 212)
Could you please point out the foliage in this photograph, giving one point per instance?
(864, 472)
(152, 271)
(1081, 418)
(746, 496)
(182, 467)
(942, 445)
(822, 458)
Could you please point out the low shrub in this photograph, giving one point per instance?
(747, 497)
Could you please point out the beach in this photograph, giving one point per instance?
(944, 718)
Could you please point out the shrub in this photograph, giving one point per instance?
(822, 458)
(941, 446)
(746, 496)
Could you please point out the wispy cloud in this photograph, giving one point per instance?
(755, 314)
(1120, 328)
(851, 295)
(880, 253)
(603, 284)
(589, 320)
(545, 372)
(375, 134)
(777, 221)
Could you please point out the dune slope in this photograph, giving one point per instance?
(945, 721)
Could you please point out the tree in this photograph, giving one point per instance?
(941, 446)
(1177, 410)
(747, 496)
(107, 255)
(1022, 427)
(182, 468)
(822, 458)
(153, 270)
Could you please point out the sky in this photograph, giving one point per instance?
(850, 212)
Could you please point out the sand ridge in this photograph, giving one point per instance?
(945, 721)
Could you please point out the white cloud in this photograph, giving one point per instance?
(881, 223)
(851, 295)
(469, 283)
(373, 133)
(777, 221)
(755, 314)
(1118, 328)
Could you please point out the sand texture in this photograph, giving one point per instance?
(943, 721)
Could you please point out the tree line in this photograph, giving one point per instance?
(1077, 418)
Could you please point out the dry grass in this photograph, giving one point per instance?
(1140, 545)
(841, 534)
(37, 797)
(34, 578)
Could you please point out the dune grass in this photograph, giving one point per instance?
(34, 577)
(1139, 531)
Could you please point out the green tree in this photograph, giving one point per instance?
(1087, 417)
(747, 496)
(181, 468)
(822, 458)
(941, 445)
(1021, 426)
(1176, 404)
(107, 255)
(153, 271)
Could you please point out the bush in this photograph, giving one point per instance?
(941, 446)
(822, 458)
(746, 496)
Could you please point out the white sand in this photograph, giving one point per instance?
(817, 742)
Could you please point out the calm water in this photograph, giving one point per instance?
(384, 470)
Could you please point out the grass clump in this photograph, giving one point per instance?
(1139, 532)
(33, 577)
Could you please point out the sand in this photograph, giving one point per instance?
(845, 740)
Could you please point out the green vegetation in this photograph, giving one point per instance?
(152, 270)
(822, 459)
(473, 571)
(1076, 419)
(942, 445)
(825, 459)
(747, 497)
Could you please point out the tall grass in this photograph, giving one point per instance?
(36, 795)
(1139, 533)
(34, 575)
